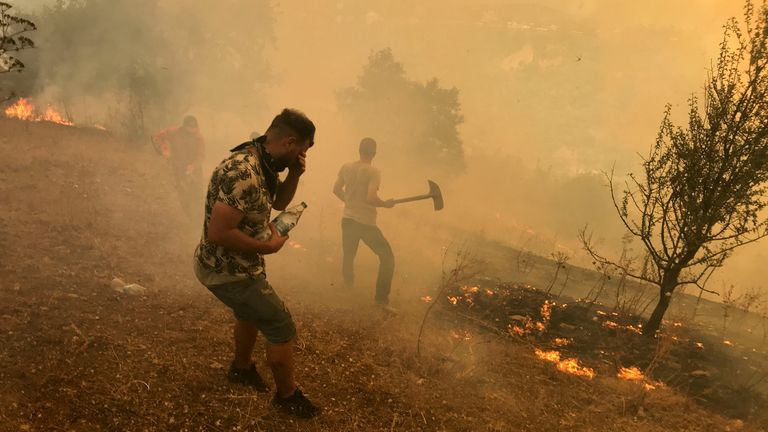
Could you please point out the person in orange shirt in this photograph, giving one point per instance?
(184, 148)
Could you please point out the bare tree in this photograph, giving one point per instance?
(12, 40)
(703, 186)
(561, 259)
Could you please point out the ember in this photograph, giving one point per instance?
(427, 299)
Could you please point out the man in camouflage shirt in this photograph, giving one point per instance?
(229, 260)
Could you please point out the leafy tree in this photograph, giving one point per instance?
(13, 40)
(702, 190)
(420, 121)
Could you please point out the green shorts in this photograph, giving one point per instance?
(255, 301)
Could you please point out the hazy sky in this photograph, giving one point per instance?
(578, 84)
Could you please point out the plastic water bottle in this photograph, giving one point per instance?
(288, 219)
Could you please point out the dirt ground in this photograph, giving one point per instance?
(80, 208)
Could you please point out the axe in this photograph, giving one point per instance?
(434, 193)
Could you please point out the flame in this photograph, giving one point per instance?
(634, 374)
(469, 289)
(561, 341)
(631, 374)
(613, 325)
(489, 292)
(427, 299)
(454, 300)
(23, 109)
(464, 335)
(516, 330)
(728, 343)
(546, 311)
(569, 365)
(699, 345)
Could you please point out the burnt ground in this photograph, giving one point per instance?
(80, 208)
(726, 378)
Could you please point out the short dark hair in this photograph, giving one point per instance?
(367, 146)
(189, 121)
(296, 123)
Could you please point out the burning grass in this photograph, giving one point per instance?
(588, 340)
(24, 109)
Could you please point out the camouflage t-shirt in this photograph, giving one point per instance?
(240, 182)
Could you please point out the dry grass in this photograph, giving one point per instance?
(76, 356)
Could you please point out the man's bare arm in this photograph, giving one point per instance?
(338, 187)
(223, 231)
(287, 188)
(373, 195)
(285, 192)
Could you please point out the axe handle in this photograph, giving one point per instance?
(413, 198)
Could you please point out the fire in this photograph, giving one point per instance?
(569, 365)
(427, 299)
(516, 330)
(546, 311)
(561, 341)
(469, 289)
(613, 325)
(461, 334)
(454, 300)
(23, 109)
(631, 374)
(634, 374)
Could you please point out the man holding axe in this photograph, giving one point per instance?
(358, 187)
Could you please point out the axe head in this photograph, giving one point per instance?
(437, 196)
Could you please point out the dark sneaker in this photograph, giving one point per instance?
(248, 376)
(297, 404)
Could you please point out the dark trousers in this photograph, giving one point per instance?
(351, 234)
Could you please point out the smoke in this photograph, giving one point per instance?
(137, 66)
(551, 92)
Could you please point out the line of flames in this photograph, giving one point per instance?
(23, 109)
(568, 365)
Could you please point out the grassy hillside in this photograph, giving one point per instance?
(80, 208)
